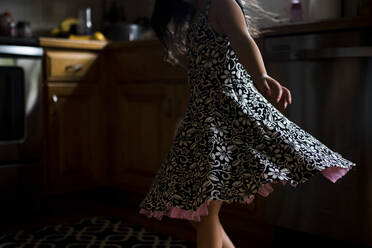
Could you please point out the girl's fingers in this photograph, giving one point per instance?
(277, 88)
(286, 98)
(273, 89)
(279, 92)
(276, 91)
(284, 101)
(266, 90)
(288, 93)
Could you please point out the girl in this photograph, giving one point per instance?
(232, 142)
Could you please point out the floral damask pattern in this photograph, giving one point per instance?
(232, 141)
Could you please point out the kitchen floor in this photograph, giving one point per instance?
(85, 210)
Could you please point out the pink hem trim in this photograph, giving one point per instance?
(335, 173)
(331, 173)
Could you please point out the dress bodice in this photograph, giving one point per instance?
(212, 61)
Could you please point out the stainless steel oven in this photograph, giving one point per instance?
(21, 124)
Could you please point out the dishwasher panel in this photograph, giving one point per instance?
(327, 76)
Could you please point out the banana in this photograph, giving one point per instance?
(66, 24)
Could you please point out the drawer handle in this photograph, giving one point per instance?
(53, 107)
(73, 68)
(55, 98)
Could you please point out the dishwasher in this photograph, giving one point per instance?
(330, 77)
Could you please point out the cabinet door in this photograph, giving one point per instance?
(145, 117)
(76, 150)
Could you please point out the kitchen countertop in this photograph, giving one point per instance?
(317, 26)
(277, 30)
(74, 44)
(96, 45)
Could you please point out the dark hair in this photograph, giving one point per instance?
(171, 18)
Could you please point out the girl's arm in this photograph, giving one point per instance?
(226, 17)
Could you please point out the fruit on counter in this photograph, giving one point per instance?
(64, 27)
(67, 29)
(79, 37)
(94, 36)
(55, 31)
(67, 23)
(98, 36)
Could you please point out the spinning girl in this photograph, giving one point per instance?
(232, 142)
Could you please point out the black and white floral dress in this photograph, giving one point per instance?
(232, 143)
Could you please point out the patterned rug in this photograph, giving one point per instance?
(93, 232)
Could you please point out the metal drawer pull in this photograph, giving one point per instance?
(73, 68)
(55, 98)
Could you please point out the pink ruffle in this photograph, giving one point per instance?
(334, 173)
(331, 173)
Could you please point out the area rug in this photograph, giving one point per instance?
(93, 232)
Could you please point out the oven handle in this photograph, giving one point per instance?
(324, 53)
(27, 51)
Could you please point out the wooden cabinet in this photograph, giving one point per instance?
(68, 65)
(110, 115)
(76, 151)
(148, 99)
(146, 116)
(75, 137)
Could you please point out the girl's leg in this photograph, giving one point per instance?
(226, 241)
(210, 229)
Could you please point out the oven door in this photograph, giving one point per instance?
(12, 107)
(20, 109)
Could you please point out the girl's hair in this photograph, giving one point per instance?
(171, 18)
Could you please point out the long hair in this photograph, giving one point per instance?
(171, 18)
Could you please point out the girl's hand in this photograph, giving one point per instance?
(286, 97)
(274, 91)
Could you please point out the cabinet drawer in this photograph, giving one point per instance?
(68, 66)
